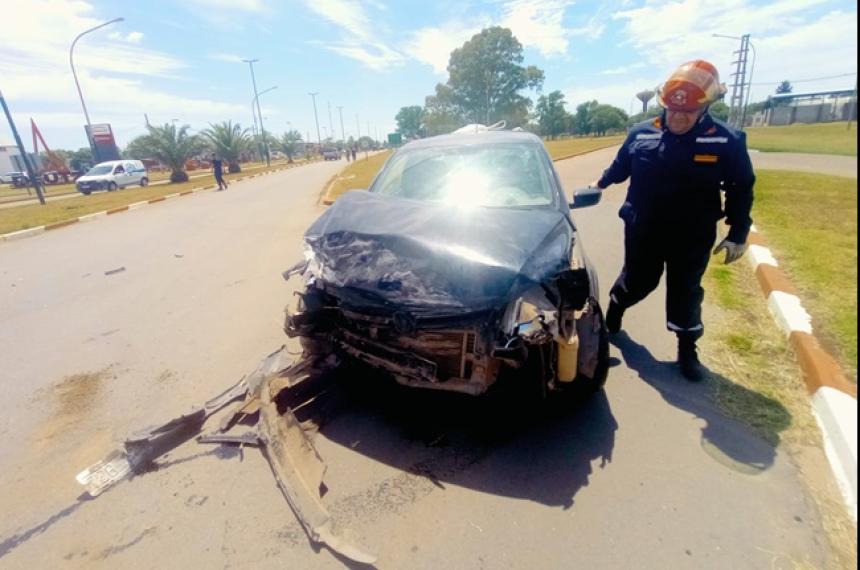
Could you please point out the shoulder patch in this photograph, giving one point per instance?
(722, 140)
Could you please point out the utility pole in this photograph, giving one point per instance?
(31, 172)
(316, 119)
(93, 146)
(251, 63)
(342, 131)
(739, 98)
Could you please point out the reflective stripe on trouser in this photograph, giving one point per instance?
(684, 255)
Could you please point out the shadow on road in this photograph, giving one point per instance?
(722, 437)
(502, 443)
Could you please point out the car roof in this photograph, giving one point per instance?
(480, 137)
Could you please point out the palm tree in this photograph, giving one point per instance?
(289, 143)
(228, 141)
(169, 145)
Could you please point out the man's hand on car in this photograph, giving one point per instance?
(734, 251)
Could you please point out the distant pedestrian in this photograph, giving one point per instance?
(347, 153)
(218, 170)
(353, 154)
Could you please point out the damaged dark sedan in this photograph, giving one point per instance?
(459, 266)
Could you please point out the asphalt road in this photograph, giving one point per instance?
(648, 474)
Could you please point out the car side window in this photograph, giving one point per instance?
(119, 169)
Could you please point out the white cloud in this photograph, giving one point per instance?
(790, 40)
(358, 40)
(538, 24)
(623, 69)
(227, 57)
(433, 45)
(232, 5)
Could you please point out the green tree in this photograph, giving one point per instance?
(720, 110)
(290, 143)
(169, 145)
(784, 88)
(652, 112)
(604, 118)
(409, 121)
(228, 141)
(552, 117)
(485, 77)
(77, 158)
(441, 114)
(582, 117)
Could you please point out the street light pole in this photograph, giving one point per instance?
(256, 100)
(342, 131)
(316, 119)
(251, 63)
(93, 147)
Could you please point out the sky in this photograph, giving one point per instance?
(181, 60)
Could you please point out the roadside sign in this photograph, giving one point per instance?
(395, 139)
(103, 142)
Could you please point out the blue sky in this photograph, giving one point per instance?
(182, 59)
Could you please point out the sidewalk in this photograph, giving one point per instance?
(832, 164)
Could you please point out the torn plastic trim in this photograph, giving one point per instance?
(299, 470)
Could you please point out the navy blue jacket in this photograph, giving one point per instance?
(675, 180)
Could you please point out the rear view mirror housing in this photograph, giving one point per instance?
(586, 197)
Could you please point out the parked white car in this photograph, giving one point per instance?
(9, 177)
(112, 175)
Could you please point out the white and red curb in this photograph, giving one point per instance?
(833, 397)
(28, 232)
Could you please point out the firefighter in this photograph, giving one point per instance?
(677, 164)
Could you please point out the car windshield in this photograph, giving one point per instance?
(100, 169)
(494, 175)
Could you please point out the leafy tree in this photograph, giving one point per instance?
(582, 117)
(485, 77)
(604, 118)
(720, 110)
(409, 121)
(784, 88)
(169, 145)
(290, 143)
(441, 114)
(77, 158)
(227, 140)
(552, 117)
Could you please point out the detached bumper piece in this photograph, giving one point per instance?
(295, 462)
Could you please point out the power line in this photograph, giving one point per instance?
(808, 80)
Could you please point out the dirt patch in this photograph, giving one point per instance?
(72, 400)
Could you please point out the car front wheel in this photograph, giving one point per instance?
(112, 187)
(144, 181)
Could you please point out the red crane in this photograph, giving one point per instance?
(54, 169)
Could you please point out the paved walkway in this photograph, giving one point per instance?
(820, 163)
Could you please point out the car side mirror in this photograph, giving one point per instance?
(585, 197)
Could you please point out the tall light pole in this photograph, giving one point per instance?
(316, 118)
(342, 131)
(78, 85)
(745, 39)
(251, 63)
(330, 123)
(256, 100)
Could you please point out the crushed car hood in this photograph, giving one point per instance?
(382, 251)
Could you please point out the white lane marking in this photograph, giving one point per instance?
(836, 413)
(789, 312)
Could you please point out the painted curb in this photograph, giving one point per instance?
(832, 397)
(20, 234)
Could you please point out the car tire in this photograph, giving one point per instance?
(111, 187)
(144, 182)
(86, 192)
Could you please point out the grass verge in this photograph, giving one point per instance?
(8, 194)
(358, 174)
(758, 382)
(810, 223)
(573, 146)
(821, 138)
(34, 215)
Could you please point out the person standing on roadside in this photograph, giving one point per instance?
(218, 170)
(677, 164)
(352, 151)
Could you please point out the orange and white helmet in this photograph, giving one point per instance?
(693, 85)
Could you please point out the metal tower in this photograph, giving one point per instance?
(737, 101)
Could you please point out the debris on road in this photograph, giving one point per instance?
(115, 271)
(295, 462)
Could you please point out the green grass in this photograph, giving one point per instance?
(810, 223)
(580, 145)
(33, 215)
(821, 138)
(358, 174)
(9, 194)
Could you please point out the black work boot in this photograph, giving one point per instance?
(613, 317)
(688, 361)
